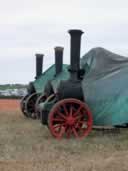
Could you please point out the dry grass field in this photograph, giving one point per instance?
(26, 145)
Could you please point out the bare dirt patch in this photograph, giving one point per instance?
(9, 105)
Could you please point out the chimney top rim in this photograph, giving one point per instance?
(75, 31)
(59, 48)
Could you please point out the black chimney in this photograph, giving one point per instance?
(75, 53)
(58, 59)
(39, 64)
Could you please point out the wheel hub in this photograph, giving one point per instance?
(70, 120)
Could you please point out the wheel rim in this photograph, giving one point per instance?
(30, 105)
(22, 105)
(70, 117)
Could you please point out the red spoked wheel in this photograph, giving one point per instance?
(70, 117)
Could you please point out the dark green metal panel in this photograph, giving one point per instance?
(49, 74)
(62, 76)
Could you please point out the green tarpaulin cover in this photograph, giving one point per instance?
(105, 86)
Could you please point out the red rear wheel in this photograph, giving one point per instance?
(70, 117)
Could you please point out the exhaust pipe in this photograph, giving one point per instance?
(75, 53)
(72, 87)
(58, 60)
(39, 65)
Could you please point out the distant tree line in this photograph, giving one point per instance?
(10, 97)
(12, 86)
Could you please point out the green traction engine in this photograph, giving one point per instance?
(73, 99)
(36, 89)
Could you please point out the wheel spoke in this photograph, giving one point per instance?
(78, 126)
(82, 122)
(30, 104)
(78, 111)
(58, 119)
(61, 114)
(65, 109)
(71, 111)
(58, 126)
(75, 132)
(77, 117)
(60, 131)
(68, 132)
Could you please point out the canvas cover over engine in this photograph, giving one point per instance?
(105, 86)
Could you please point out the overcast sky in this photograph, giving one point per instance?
(37, 26)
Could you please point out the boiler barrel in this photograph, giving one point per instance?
(72, 88)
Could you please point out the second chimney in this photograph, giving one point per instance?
(75, 52)
(39, 65)
(58, 59)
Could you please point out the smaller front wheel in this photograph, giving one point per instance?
(30, 105)
(70, 117)
(22, 105)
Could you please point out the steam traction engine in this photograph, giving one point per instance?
(99, 79)
(36, 94)
(65, 112)
(28, 101)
